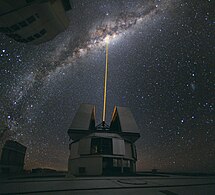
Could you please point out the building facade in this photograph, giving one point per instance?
(102, 150)
(12, 157)
(33, 21)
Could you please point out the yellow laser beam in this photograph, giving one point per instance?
(105, 81)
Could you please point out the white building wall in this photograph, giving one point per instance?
(81, 157)
(118, 146)
(92, 165)
(84, 146)
(74, 150)
(51, 17)
(128, 151)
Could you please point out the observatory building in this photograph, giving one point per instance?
(102, 149)
(12, 157)
(33, 21)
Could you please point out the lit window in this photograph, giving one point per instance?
(114, 162)
(126, 163)
(117, 162)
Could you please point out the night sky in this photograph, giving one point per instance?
(161, 66)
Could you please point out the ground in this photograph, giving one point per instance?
(158, 185)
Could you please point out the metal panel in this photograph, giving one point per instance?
(123, 120)
(84, 146)
(128, 151)
(74, 150)
(118, 146)
(84, 118)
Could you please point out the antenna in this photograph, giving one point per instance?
(105, 82)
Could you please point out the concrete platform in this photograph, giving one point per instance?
(158, 185)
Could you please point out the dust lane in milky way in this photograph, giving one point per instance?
(161, 57)
(115, 29)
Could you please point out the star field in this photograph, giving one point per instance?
(161, 66)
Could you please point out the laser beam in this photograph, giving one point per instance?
(105, 82)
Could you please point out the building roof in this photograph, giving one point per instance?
(14, 145)
(123, 123)
(123, 120)
(33, 22)
(83, 121)
(84, 118)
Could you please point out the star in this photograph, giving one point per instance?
(160, 57)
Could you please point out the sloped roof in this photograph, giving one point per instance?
(123, 120)
(83, 121)
(84, 118)
(124, 123)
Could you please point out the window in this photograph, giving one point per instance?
(114, 162)
(31, 38)
(126, 163)
(15, 27)
(106, 146)
(117, 162)
(42, 32)
(95, 146)
(31, 19)
(23, 24)
(37, 35)
(101, 146)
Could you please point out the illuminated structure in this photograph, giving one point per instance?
(12, 157)
(33, 21)
(102, 150)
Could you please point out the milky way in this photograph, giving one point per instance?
(118, 26)
(160, 61)
(64, 57)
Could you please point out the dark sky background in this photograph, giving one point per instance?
(161, 65)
